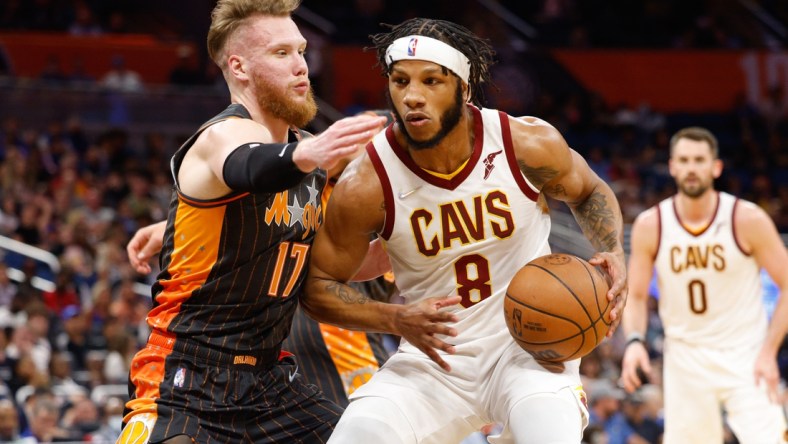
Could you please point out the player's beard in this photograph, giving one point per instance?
(281, 105)
(448, 121)
(696, 190)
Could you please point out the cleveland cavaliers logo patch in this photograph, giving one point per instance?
(488, 163)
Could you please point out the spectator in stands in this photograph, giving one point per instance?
(120, 78)
(9, 422)
(8, 289)
(604, 403)
(64, 294)
(121, 347)
(84, 22)
(43, 414)
(129, 308)
(96, 216)
(6, 364)
(61, 373)
(595, 434)
(81, 418)
(73, 337)
(111, 420)
(25, 374)
(30, 338)
(9, 221)
(637, 427)
(29, 229)
(95, 366)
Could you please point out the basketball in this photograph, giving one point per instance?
(556, 307)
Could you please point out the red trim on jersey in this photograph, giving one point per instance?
(708, 224)
(388, 193)
(511, 158)
(733, 228)
(457, 179)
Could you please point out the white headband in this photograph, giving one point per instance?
(419, 47)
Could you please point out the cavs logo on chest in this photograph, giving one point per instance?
(462, 222)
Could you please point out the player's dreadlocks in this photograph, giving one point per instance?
(479, 51)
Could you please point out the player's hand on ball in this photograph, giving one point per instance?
(421, 322)
(615, 270)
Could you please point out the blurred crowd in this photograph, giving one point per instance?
(81, 197)
(79, 194)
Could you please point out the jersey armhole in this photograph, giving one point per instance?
(659, 233)
(388, 194)
(522, 182)
(733, 229)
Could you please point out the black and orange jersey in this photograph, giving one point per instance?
(233, 268)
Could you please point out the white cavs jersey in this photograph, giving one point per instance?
(709, 290)
(467, 234)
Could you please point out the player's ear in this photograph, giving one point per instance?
(717, 168)
(466, 92)
(670, 168)
(237, 66)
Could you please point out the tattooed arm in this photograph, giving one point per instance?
(354, 212)
(562, 174)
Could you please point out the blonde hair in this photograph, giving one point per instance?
(229, 15)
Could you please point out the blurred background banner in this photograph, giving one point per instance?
(679, 81)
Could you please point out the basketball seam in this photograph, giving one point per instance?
(596, 297)
(569, 289)
(581, 331)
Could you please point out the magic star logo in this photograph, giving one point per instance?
(285, 210)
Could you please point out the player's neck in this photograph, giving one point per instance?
(275, 125)
(451, 152)
(697, 211)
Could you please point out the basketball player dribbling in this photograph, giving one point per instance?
(720, 351)
(454, 192)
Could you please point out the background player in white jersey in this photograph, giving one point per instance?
(707, 248)
(454, 191)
